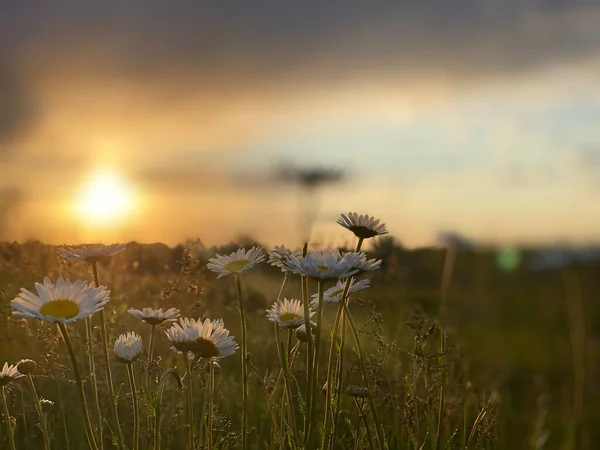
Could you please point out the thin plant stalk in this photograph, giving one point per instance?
(363, 369)
(339, 324)
(190, 400)
(111, 388)
(361, 412)
(159, 393)
(339, 318)
(23, 412)
(309, 354)
(276, 429)
(63, 416)
(93, 379)
(449, 260)
(238, 285)
(136, 407)
(150, 355)
(211, 400)
(147, 391)
(89, 431)
(285, 366)
(315, 363)
(9, 431)
(38, 408)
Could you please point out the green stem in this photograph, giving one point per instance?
(363, 368)
(309, 356)
(147, 390)
(9, 432)
(159, 393)
(238, 285)
(111, 388)
(285, 366)
(276, 429)
(336, 326)
(211, 399)
(150, 355)
(315, 363)
(90, 347)
(84, 409)
(136, 410)
(40, 414)
(364, 418)
(190, 400)
(339, 324)
(445, 287)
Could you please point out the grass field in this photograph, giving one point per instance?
(519, 369)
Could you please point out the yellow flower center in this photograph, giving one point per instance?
(323, 268)
(64, 309)
(288, 317)
(205, 348)
(235, 265)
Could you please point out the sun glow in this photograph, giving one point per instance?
(105, 199)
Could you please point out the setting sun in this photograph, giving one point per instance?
(106, 198)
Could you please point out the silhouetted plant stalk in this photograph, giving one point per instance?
(315, 363)
(211, 401)
(449, 260)
(9, 430)
(339, 325)
(159, 393)
(136, 410)
(84, 409)
(93, 379)
(309, 354)
(361, 411)
(38, 408)
(287, 399)
(111, 389)
(238, 285)
(363, 369)
(190, 400)
(276, 429)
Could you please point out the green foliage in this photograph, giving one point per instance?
(509, 372)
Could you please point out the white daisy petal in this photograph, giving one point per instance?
(208, 339)
(155, 317)
(128, 347)
(334, 294)
(90, 253)
(287, 313)
(9, 374)
(63, 302)
(363, 226)
(236, 262)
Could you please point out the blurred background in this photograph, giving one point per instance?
(160, 121)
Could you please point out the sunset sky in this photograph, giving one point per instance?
(161, 121)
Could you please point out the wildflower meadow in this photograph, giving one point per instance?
(244, 347)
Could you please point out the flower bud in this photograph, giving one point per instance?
(357, 391)
(46, 405)
(26, 366)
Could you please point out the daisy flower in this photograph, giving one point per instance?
(359, 262)
(280, 257)
(9, 374)
(26, 366)
(90, 253)
(334, 294)
(63, 302)
(155, 317)
(236, 262)
(325, 265)
(287, 313)
(208, 339)
(128, 347)
(363, 226)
